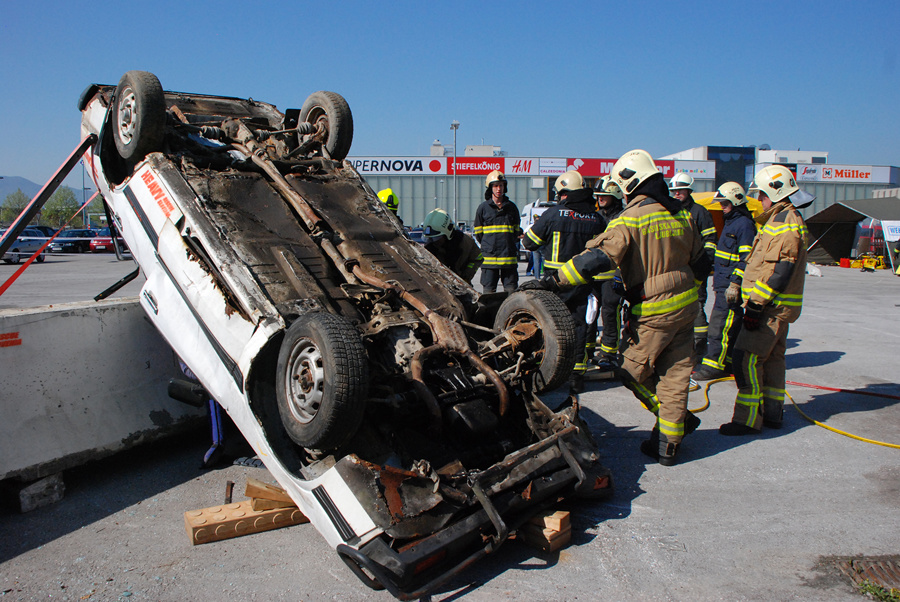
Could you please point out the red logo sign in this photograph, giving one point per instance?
(475, 166)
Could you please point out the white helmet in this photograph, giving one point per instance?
(494, 177)
(605, 186)
(438, 223)
(632, 168)
(681, 181)
(776, 181)
(731, 192)
(571, 180)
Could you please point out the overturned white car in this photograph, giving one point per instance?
(396, 406)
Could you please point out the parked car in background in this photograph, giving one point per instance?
(73, 241)
(29, 241)
(47, 231)
(102, 242)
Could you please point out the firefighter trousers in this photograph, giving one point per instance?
(759, 372)
(724, 326)
(656, 367)
(491, 276)
(611, 317)
(701, 325)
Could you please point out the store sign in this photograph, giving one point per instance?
(591, 168)
(854, 173)
(808, 173)
(891, 230)
(476, 166)
(398, 165)
(552, 167)
(521, 167)
(704, 170)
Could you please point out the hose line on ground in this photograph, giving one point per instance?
(695, 386)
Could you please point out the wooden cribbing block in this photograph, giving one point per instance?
(233, 520)
(548, 540)
(261, 504)
(558, 521)
(260, 490)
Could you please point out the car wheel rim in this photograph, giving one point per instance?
(126, 116)
(306, 381)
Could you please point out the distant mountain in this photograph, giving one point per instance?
(9, 184)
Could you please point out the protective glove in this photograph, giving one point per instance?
(733, 294)
(544, 283)
(752, 314)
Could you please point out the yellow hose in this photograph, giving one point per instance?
(816, 422)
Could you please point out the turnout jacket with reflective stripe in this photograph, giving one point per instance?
(497, 230)
(776, 269)
(654, 250)
(733, 249)
(563, 230)
(705, 225)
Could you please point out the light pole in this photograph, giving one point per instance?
(454, 125)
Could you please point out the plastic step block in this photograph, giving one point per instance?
(233, 520)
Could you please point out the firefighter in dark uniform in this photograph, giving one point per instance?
(681, 186)
(609, 204)
(497, 230)
(453, 248)
(734, 246)
(772, 292)
(560, 234)
(660, 254)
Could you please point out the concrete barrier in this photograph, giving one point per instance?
(80, 381)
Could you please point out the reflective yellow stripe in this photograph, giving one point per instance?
(501, 261)
(763, 290)
(788, 300)
(649, 399)
(606, 275)
(773, 230)
(534, 237)
(709, 245)
(654, 308)
(752, 400)
(479, 229)
(662, 223)
(497, 229)
(554, 247)
(670, 429)
(744, 249)
(727, 256)
(572, 274)
(708, 231)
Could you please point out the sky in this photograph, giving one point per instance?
(539, 79)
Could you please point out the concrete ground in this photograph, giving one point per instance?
(755, 518)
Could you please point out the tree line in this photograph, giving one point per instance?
(59, 207)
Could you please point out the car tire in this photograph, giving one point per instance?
(14, 257)
(41, 258)
(321, 381)
(557, 333)
(139, 115)
(336, 111)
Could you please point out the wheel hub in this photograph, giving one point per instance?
(306, 384)
(126, 116)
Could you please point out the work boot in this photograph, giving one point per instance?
(661, 451)
(691, 422)
(605, 363)
(736, 429)
(576, 384)
(705, 372)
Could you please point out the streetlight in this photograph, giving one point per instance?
(454, 125)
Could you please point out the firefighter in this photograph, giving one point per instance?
(560, 234)
(497, 230)
(609, 203)
(660, 254)
(390, 201)
(732, 250)
(682, 185)
(453, 248)
(772, 293)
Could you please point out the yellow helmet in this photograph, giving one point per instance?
(438, 223)
(731, 192)
(681, 181)
(606, 186)
(390, 199)
(776, 181)
(571, 180)
(632, 168)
